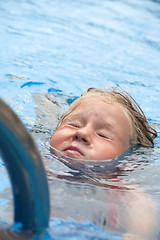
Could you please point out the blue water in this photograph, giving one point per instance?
(50, 53)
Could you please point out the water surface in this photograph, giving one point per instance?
(51, 52)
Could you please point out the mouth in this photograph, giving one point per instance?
(73, 152)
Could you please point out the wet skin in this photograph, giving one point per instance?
(95, 130)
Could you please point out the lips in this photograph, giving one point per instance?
(73, 151)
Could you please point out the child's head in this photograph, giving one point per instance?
(102, 124)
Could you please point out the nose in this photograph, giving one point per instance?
(82, 135)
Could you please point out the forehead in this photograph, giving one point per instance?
(97, 106)
(85, 103)
(91, 103)
(87, 100)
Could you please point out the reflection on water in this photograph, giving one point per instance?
(51, 52)
(116, 201)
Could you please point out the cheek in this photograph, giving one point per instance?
(99, 152)
(59, 137)
(55, 139)
(106, 151)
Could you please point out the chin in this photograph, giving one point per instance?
(74, 156)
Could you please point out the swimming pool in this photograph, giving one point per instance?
(51, 52)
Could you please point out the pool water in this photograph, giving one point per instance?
(51, 52)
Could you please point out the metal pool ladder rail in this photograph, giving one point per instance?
(27, 175)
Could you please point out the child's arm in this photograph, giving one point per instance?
(139, 216)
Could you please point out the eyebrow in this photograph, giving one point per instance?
(72, 117)
(110, 127)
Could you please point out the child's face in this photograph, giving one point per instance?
(95, 130)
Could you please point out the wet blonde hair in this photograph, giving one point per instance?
(142, 132)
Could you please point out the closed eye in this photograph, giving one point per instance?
(103, 136)
(74, 125)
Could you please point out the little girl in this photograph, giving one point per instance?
(102, 124)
